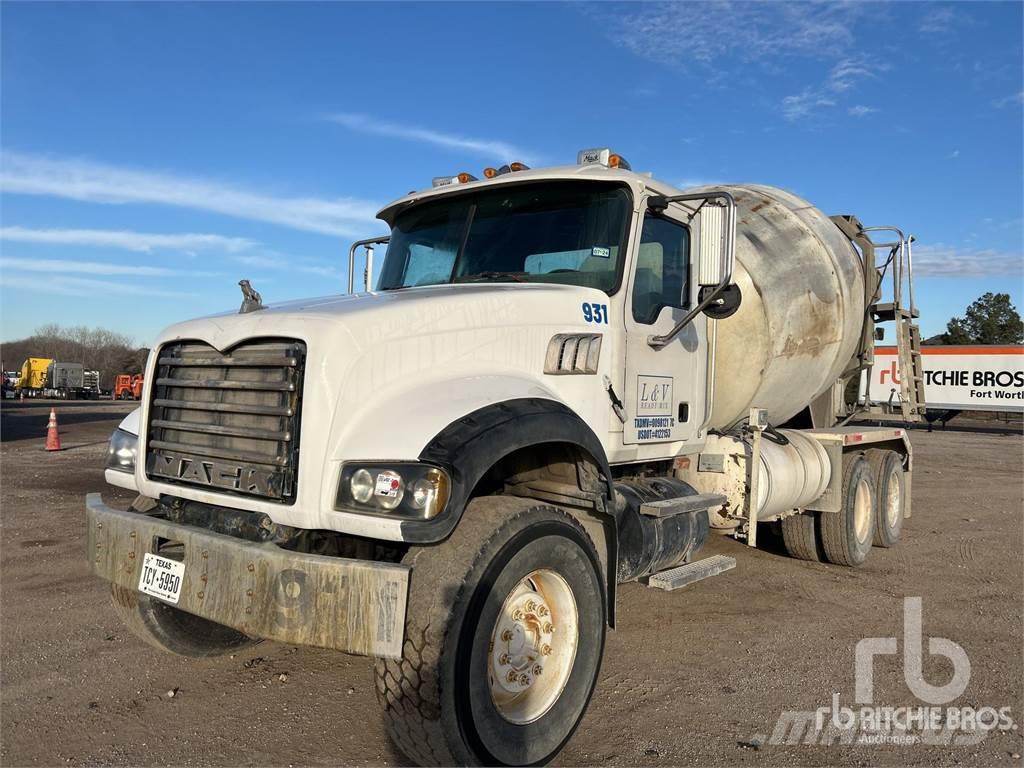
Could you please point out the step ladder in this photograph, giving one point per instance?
(901, 311)
(893, 259)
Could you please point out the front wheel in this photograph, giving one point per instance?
(504, 637)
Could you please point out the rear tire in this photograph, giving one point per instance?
(846, 535)
(887, 467)
(800, 535)
(479, 609)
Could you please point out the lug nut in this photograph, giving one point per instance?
(545, 650)
(517, 615)
(512, 676)
(548, 628)
(504, 660)
(530, 606)
(506, 635)
(537, 669)
(543, 611)
(524, 679)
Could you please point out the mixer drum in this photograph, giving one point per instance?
(802, 313)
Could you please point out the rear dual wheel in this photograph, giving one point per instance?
(504, 637)
(890, 484)
(845, 537)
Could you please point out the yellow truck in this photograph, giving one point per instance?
(33, 375)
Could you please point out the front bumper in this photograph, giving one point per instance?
(264, 591)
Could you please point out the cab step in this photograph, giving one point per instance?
(681, 575)
(682, 505)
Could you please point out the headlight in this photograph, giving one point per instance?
(121, 451)
(412, 491)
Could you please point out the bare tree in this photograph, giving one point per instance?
(97, 349)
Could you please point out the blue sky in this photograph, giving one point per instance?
(153, 154)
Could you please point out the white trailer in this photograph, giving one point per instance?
(975, 377)
(564, 380)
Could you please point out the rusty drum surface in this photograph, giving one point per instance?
(802, 312)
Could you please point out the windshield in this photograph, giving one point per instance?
(548, 232)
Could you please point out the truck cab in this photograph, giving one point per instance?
(453, 469)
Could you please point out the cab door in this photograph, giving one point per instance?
(664, 388)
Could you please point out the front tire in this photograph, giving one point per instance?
(504, 636)
(168, 628)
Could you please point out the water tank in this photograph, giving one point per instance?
(802, 313)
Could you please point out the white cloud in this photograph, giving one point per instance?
(804, 103)
(82, 286)
(707, 32)
(497, 150)
(93, 182)
(275, 261)
(141, 242)
(940, 260)
(843, 77)
(953, 155)
(847, 72)
(1013, 98)
(64, 266)
(938, 20)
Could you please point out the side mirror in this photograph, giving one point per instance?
(715, 244)
(715, 219)
(368, 270)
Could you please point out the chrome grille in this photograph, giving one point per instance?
(227, 420)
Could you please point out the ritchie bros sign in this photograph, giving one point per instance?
(979, 378)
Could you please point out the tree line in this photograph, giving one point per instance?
(98, 349)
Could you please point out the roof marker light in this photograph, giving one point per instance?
(490, 173)
(447, 181)
(601, 156)
(519, 167)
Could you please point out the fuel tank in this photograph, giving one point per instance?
(802, 312)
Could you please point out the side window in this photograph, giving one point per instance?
(662, 268)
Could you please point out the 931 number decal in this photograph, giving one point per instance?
(595, 313)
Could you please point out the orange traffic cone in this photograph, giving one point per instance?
(52, 435)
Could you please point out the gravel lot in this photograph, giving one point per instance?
(689, 678)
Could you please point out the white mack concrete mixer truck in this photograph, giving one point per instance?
(561, 380)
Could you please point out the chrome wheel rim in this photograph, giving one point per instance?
(533, 647)
(862, 511)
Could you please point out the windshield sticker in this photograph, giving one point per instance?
(601, 253)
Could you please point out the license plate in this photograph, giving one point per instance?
(161, 577)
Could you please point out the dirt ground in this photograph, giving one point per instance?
(689, 678)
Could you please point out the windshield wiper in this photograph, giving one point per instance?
(492, 275)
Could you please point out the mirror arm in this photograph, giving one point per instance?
(352, 257)
(659, 342)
